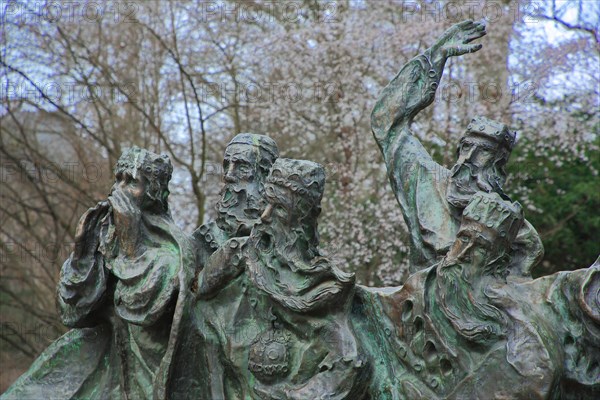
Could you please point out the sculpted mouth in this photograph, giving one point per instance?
(229, 199)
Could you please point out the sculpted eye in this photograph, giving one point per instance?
(269, 191)
(464, 238)
(280, 210)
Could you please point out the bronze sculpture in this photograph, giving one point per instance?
(432, 197)
(461, 330)
(121, 290)
(248, 306)
(277, 297)
(246, 163)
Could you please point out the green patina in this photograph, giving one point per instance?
(248, 307)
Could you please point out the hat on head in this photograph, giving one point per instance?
(498, 132)
(490, 210)
(262, 142)
(302, 177)
(151, 165)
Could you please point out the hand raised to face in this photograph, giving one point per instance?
(126, 199)
(86, 233)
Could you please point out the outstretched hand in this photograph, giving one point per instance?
(455, 41)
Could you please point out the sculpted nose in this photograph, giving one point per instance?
(266, 215)
(459, 252)
(229, 176)
(468, 155)
(464, 253)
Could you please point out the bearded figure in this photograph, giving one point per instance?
(432, 197)
(461, 330)
(281, 311)
(200, 370)
(121, 290)
(287, 263)
(246, 164)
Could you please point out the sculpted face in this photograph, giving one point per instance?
(239, 163)
(475, 244)
(479, 153)
(473, 257)
(241, 201)
(278, 219)
(132, 184)
(284, 258)
(143, 178)
(279, 205)
(475, 170)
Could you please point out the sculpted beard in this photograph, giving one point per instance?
(237, 209)
(291, 271)
(466, 180)
(278, 239)
(473, 319)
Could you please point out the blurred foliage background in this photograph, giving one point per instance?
(80, 81)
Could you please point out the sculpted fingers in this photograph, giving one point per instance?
(122, 203)
(116, 200)
(475, 33)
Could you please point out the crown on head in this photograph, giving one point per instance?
(490, 210)
(151, 165)
(302, 177)
(489, 129)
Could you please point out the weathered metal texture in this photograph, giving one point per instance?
(431, 196)
(246, 163)
(461, 330)
(249, 308)
(272, 311)
(121, 290)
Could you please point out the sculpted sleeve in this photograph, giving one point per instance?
(221, 267)
(147, 286)
(409, 92)
(82, 281)
(527, 250)
(413, 174)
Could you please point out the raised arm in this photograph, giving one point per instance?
(222, 267)
(411, 170)
(82, 281)
(413, 89)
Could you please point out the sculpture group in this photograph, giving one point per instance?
(248, 307)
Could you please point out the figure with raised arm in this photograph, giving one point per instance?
(431, 196)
